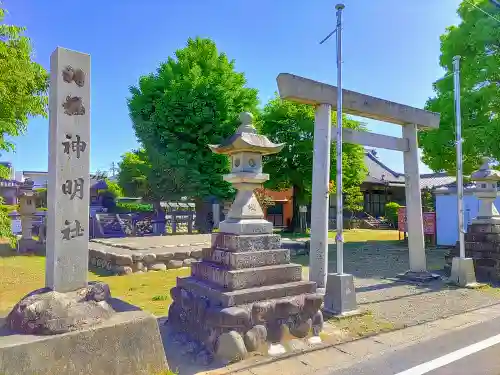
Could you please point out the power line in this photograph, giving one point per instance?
(493, 2)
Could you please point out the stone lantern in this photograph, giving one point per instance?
(482, 240)
(245, 291)
(245, 149)
(27, 209)
(486, 180)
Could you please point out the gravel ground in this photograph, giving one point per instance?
(374, 266)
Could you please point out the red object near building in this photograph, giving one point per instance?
(429, 219)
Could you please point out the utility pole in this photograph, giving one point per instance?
(462, 269)
(340, 295)
(113, 169)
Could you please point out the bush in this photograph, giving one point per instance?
(5, 223)
(391, 212)
(9, 208)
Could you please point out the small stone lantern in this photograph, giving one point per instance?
(246, 148)
(27, 209)
(486, 180)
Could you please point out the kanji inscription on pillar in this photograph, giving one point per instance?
(68, 185)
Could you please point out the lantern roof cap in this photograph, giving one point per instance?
(486, 172)
(246, 139)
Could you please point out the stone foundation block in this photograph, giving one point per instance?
(462, 271)
(205, 323)
(247, 259)
(340, 296)
(128, 343)
(483, 228)
(245, 243)
(246, 278)
(224, 298)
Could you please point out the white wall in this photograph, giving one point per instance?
(40, 179)
(447, 218)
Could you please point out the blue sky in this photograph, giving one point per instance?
(390, 50)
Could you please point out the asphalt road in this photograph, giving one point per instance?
(470, 351)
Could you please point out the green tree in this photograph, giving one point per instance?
(133, 172)
(353, 202)
(191, 101)
(114, 189)
(428, 203)
(23, 85)
(477, 40)
(292, 123)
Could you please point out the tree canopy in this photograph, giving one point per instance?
(477, 40)
(23, 85)
(133, 172)
(293, 124)
(191, 101)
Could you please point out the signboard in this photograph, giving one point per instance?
(16, 226)
(429, 219)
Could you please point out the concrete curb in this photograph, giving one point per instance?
(428, 330)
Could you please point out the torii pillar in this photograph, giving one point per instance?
(324, 98)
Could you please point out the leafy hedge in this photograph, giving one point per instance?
(9, 207)
(5, 223)
(125, 207)
(391, 212)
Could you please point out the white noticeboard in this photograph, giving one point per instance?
(16, 226)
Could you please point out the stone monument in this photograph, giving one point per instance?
(482, 240)
(244, 295)
(72, 326)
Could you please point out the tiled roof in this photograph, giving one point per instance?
(379, 173)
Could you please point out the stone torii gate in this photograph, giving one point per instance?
(324, 98)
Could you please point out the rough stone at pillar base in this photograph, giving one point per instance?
(418, 276)
(340, 295)
(462, 272)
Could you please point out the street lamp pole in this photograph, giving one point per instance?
(460, 176)
(340, 217)
(462, 268)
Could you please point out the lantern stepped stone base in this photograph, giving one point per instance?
(482, 244)
(244, 290)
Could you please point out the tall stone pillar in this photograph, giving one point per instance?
(318, 255)
(416, 245)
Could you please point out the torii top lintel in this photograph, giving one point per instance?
(307, 91)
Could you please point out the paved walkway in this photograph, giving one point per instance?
(327, 361)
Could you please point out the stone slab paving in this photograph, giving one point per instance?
(140, 243)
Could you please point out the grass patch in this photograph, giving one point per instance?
(149, 291)
(20, 275)
(353, 235)
(363, 325)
